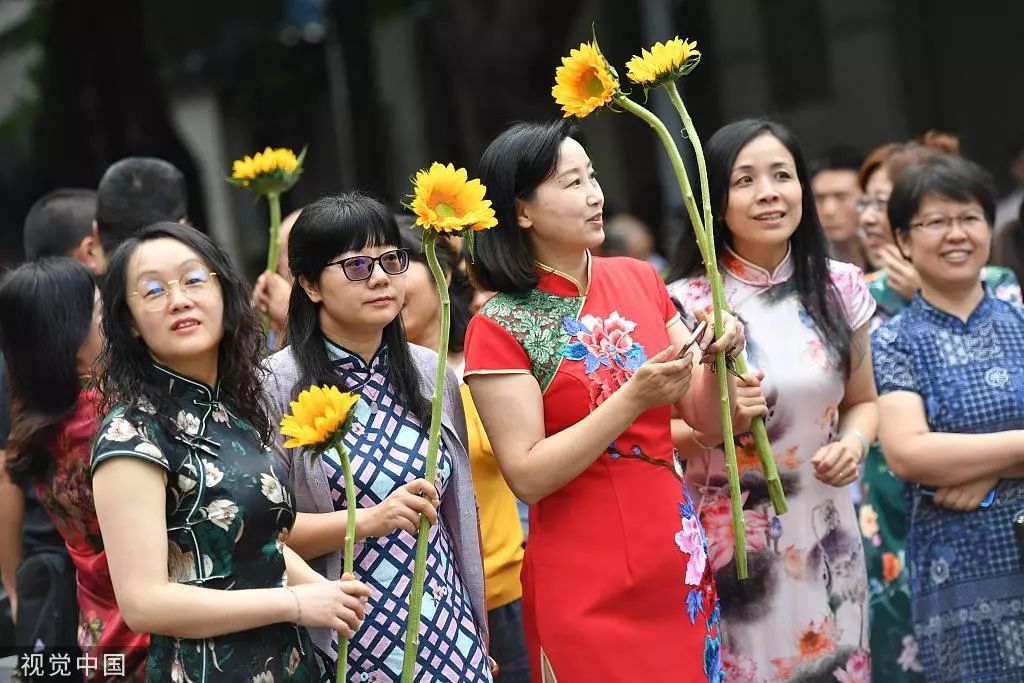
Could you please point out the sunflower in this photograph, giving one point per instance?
(445, 200)
(665, 61)
(317, 416)
(584, 82)
(272, 170)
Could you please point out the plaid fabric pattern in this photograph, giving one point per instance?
(966, 569)
(388, 447)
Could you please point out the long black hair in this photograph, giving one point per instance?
(129, 375)
(46, 312)
(460, 291)
(809, 248)
(330, 226)
(512, 166)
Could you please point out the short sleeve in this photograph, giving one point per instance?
(668, 310)
(893, 360)
(491, 349)
(858, 304)
(119, 437)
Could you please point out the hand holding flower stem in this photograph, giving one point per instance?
(586, 82)
(321, 416)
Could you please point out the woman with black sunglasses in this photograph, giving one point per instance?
(345, 329)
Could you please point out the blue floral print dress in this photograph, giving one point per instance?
(966, 569)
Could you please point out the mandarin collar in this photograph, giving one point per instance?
(750, 273)
(940, 317)
(181, 386)
(348, 361)
(563, 284)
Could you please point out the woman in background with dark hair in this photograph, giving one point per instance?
(345, 329)
(575, 366)
(803, 613)
(194, 508)
(949, 370)
(501, 532)
(50, 338)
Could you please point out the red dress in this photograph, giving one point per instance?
(616, 586)
(69, 502)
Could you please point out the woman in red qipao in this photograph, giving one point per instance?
(575, 369)
(50, 338)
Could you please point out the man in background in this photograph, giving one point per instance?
(135, 192)
(834, 183)
(60, 223)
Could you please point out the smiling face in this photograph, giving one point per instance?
(764, 203)
(359, 308)
(949, 242)
(565, 213)
(179, 317)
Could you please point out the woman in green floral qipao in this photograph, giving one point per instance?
(194, 508)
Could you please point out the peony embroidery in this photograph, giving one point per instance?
(213, 474)
(603, 342)
(607, 349)
(691, 541)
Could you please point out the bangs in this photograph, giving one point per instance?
(338, 224)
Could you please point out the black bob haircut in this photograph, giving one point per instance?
(947, 176)
(512, 166)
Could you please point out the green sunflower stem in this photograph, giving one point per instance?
(350, 545)
(412, 633)
(764, 447)
(274, 248)
(705, 243)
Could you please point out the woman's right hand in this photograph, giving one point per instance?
(662, 380)
(403, 509)
(750, 402)
(337, 605)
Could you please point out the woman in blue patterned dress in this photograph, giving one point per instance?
(345, 327)
(951, 371)
(193, 507)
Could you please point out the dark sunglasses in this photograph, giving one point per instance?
(357, 268)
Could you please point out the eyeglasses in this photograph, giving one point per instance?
(862, 204)
(972, 220)
(155, 293)
(357, 268)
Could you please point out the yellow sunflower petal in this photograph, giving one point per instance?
(317, 414)
(665, 61)
(445, 199)
(584, 82)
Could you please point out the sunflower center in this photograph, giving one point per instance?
(444, 210)
(595, 88)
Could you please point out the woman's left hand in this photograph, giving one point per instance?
(837, 464)
(733, 338)
(965, 497)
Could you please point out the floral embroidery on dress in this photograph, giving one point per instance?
(534, 320)
(609, 354)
